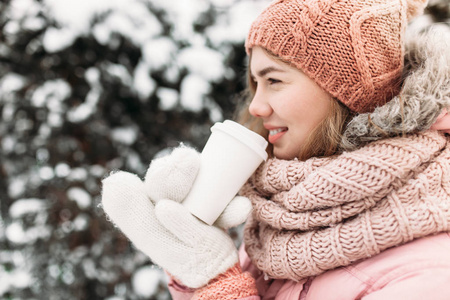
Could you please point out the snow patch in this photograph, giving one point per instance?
(145, 281)
(168, 98)
(193, 90)
(80, 196)
(15, 279)
(16, 233)
(12, 82)
(159, 52)
(26, 206)
(125, 135)
(17, 186)
(57, 39)
(202, 61)
(53, 91)
(78, 174)
(143, 84)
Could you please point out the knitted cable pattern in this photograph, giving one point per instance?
(323, 213)
(352, 49)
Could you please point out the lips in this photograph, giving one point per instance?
(276, 133)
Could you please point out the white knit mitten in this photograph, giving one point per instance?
(150, 215)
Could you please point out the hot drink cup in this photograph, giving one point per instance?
(230, 156)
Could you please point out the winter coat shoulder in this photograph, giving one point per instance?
(416, 270)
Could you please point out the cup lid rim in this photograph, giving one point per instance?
(250, 138)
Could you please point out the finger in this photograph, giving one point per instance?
(171, 177)
(236, 213)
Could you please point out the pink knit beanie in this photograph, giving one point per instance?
(352, 48)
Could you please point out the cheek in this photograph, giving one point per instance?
(308, 110)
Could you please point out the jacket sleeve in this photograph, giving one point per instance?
(178, 291)
(232, 285)
(428, 283)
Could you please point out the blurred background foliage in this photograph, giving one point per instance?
(87, 87)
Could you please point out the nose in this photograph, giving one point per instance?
(260, 107)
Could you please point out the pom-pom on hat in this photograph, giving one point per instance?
(352, 48)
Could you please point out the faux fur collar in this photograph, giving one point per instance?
(425, 92)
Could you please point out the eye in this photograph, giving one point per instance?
(273, 81)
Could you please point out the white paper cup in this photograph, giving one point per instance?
(231, 155)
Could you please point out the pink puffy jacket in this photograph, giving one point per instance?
(418, 270)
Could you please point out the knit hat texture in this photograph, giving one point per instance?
(352, 48)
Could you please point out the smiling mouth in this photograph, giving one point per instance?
(275, 134)
(276, 131)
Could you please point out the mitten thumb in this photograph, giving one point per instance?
(236, 213)
(171, 177)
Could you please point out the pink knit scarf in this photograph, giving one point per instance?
(316, 215)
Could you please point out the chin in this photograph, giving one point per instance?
(279, 153)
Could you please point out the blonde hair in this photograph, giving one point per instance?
(324, 140)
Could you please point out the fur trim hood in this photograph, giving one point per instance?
(424, 95)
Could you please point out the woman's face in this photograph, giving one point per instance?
(290, 104)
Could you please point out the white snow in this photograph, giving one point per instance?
(120, 72)
(62, 170)
(235, 24)
(145, 281)
(97, 171)
(57, 39)
(17, 186)
(8, 144)
(52, 91)
(80, 196)
(125, 135)
(183, 14)
(2, 229)
(12, 82)
(215, 112)
(26, 206)
(46, 173)
(92, 76)
(77, 174)
(8, 111)
(54, 119)
(86, 109)
(83, 111)
(78, 13)
(34, 24)
(16, 233)
(134, 162)
(81, 222)
(17, 278)
(202, 61)
(130, 18)
(22, 9)
(193, 90)
(143, 84)
(159, 52)
(168, 98)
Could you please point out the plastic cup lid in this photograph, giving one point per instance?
(251, 139)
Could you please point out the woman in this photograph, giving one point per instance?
(354, 202)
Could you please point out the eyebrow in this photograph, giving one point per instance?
(265, 71)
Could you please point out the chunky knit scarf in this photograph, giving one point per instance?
(316, 215)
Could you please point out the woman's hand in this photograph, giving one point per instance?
(151, 215)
